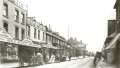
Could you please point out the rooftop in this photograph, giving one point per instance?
(19, 4)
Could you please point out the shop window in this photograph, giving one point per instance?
(11, 52)
(5, 10)
(5, 25)
(16, 33)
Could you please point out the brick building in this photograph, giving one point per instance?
(21, 37)
(12, 28)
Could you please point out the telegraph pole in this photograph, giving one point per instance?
(68, 31)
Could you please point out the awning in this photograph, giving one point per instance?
(112, 35)
(28, 42)
(51, 46)
(113, 42)
(5, 36)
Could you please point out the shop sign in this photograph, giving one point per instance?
(27, 42)
(17, 42)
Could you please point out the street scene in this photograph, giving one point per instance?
(79, 63)
(59, 34)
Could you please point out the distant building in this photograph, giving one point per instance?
(56, 43)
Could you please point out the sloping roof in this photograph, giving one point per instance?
(116, 4)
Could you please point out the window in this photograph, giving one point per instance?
(48, 38)
(43, 36)
(23, 18)
(5, 25)
(39, 34)
(5, 10)
(23, 34)
(11, 52)
(16, 15)
(29, 31)
(16, 33)
(34, 33)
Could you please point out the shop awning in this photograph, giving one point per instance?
(113, 42)
(5, 36)
(51, 46)
(28, 42)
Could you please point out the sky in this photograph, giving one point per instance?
(85, 19)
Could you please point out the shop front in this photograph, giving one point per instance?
(53, 51)
(112, 50)
(27, 52)
(8, 50)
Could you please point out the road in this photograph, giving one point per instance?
(79, 63)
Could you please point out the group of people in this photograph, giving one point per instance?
(38, 59)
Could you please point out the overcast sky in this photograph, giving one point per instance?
(87, 19)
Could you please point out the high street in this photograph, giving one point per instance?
(76, 63)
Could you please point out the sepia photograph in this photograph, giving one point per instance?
(59, 34)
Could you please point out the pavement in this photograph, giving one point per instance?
(74, 63)
(9, 65)
(102, 64)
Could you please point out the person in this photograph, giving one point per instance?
(52, 58)
(69, 57)
(40, 59)
(97, 58)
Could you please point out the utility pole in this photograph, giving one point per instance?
(68, 31)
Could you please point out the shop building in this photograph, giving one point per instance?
(12, 28)
(36, 33)
(111, 46)
(56, 44)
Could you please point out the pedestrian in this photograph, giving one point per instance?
(69, 57)
(52, 58)
(97, 58)
(40, 59)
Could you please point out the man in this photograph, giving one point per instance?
(97, 58)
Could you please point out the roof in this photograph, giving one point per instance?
(116, 4)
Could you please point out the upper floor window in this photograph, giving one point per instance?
(34, 32)
(5, 10)
(43, 36)
(29, 31)
(23, 34)
(39, 34)
(5, 25)
(16, 15)
(22, 18)
(16, 33)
